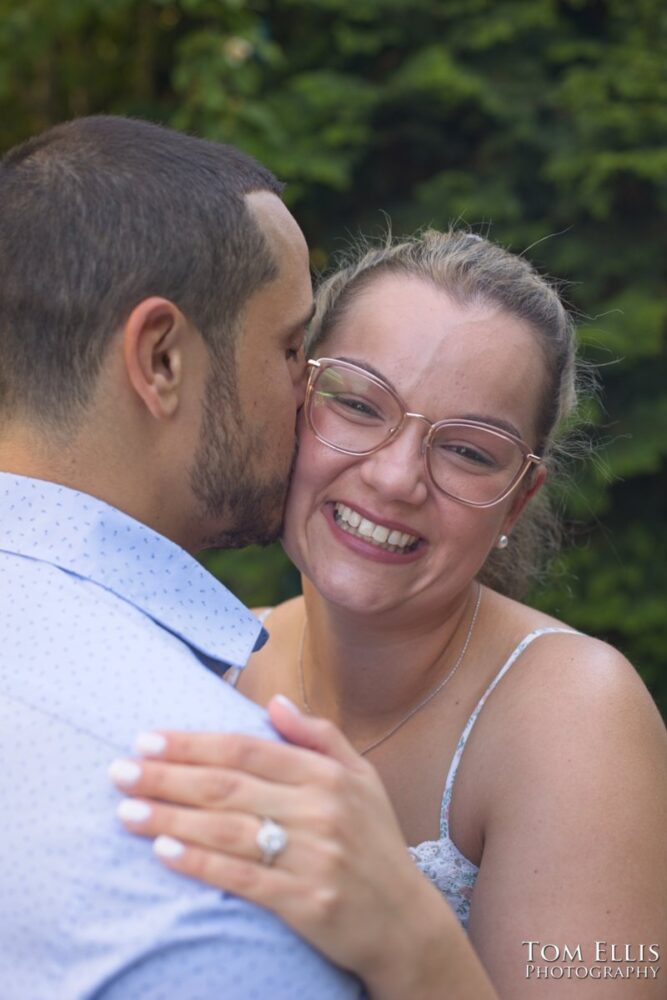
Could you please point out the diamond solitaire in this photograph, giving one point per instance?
(271, 839)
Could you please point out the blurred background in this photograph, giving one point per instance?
(542, 123)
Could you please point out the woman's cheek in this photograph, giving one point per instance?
(316, 471)
(300, 497)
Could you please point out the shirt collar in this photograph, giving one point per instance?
(85, 536)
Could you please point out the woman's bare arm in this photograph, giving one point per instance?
(575, 848)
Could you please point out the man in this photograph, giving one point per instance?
(154, 292)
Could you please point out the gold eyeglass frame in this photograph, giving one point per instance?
(529, 459)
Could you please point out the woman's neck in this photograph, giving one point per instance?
(365, 672)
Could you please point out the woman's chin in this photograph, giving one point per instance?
(351, 593)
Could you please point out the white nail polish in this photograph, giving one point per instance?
(167, 847)
(133, 810)
(151, 744)
(287, 703)
(125, 772)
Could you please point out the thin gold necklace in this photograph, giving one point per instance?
(416, 708)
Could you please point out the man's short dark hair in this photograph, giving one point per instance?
(99, 213)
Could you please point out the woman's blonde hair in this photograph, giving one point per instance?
(472, 270)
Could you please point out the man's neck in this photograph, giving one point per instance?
(87, 467)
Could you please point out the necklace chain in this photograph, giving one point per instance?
(421, 704)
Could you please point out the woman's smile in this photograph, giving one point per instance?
(372, 536)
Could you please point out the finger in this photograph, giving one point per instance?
(230, 833)
(258, 883)
(237, 751)
(212, 788)
(312, 733)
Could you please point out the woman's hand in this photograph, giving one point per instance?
(344, 881)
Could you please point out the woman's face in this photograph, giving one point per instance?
(445, 361)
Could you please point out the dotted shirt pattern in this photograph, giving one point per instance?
(108, 629)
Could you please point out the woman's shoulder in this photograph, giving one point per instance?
(280, 615)
(513, 618)
(570, 696)
(559, 661)
(270, 669)
(284, 623)
(567, 693)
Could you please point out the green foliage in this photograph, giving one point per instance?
(260, 577)
(544, 123)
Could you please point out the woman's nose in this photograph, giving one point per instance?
(398, 471)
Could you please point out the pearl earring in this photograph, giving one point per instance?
(502, 542)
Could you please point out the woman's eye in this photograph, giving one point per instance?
(356, 405)
(292, 353)
(469, 454)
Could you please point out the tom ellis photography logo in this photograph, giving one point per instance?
(601, 960)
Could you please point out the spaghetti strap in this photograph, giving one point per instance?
(456, 759)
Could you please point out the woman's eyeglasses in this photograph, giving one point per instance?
(354, 412)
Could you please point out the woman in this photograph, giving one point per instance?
(444, 368)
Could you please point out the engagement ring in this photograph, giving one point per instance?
(271, 840)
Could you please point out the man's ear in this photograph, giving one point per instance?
(154, 337)
(535, 484)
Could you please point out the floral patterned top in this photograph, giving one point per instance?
(440, 860)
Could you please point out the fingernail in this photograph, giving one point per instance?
(124, 772)
(151, 744)
(133, 810)
(167, 847)
(284, 700)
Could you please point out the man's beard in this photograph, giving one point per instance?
(227, 473)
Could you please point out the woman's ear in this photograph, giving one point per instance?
(154, 338)
(534, 484)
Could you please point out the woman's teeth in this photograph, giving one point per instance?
(385, 538)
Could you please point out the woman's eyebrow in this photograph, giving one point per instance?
(369, 368)
(502, 425)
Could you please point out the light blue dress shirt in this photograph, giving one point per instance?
(108, 629)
